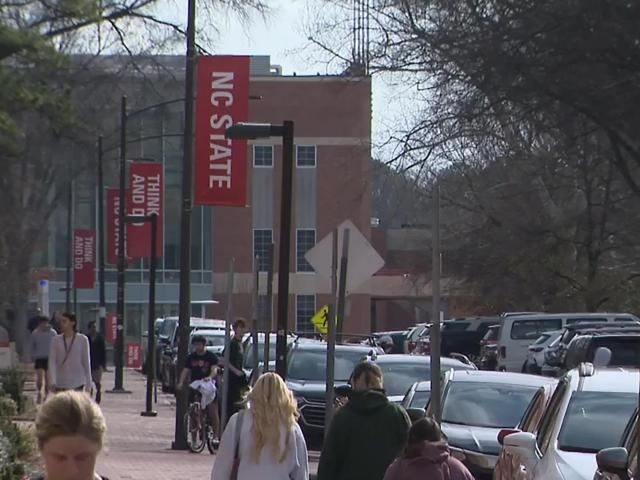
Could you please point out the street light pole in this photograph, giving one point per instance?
(102, 313)
(179, 442)
(69, 242)
(436, 394)
(151, 336)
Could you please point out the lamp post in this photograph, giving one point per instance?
(102, 310)
(436, 393)
(266, 130)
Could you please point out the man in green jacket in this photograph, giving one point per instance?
(367, 434)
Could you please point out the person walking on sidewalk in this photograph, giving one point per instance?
(367, 434)
(237, 378)
(69, 358)
(98, 354)
(70, 431)
(41, 338)
(264, 441)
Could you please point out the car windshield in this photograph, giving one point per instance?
(542, 338)
(492, 334)
(485, 404)
(624, 350)
(455, 326)
(248, 352)
(167, 328)
(214, 340)
(595, 420)
(420, 399)
(398, 377)
(311, 365)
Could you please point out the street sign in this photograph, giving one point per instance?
(43, 296)
(319, 320)
(364, 261)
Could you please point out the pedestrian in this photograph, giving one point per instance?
(366, 434)
(237, 383)
(427, 456)
(69, 358)
(70, 431)
(98, 354)
(41, 339)
(264, 441)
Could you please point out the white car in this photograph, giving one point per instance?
(535, 356)
(588, 412)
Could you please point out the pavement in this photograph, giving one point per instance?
(139, 448)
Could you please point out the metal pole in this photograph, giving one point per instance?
(151, 336)
(119, 350)
(342, 289)
(269, 327)
(286, 207)
(436, 394)
(179, 442)
(102, 311)
(256, 316)
(331, 335)
(227, 342)
(69, 244)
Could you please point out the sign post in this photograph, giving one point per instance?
(43, 296)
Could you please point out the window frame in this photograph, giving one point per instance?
(315, 241)
(539, 321)
(253, 247)
(256, 146)
(547, 424)
(298, 310)
(315, 156)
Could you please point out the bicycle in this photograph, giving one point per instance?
(199, 433)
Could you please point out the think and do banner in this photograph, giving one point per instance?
(84, 254)
(145, 197)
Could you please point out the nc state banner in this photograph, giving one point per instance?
(113, 230)
(222, 99)
(84, 254)
(145, 197)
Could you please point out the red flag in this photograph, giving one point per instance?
(113, 230)
(84, 254)
(111, 328)
(133, 355)
(222, 100)
(145, 198)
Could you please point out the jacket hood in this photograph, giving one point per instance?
(426, 453)
(368, 402)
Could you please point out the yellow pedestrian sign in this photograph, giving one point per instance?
(319, 320)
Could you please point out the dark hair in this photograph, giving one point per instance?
(42, 319)
(92, 323)
(198, 339)
(424, 430)
(369, 370)
(240, 323)
(71, 317)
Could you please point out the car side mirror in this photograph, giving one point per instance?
(521, 443)
(416, 414)
(614, 461)
(504, 432)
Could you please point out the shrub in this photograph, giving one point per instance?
(17, 445)
(8, 407)
(13, 385)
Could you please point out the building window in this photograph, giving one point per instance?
(305, 241)
(262, 241)
(305, 310)
(306, 155)
(263, 155)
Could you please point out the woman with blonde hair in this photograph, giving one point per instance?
(264, 441)
(70, 432)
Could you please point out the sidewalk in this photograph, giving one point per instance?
(139, 448)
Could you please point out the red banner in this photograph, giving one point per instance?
(134, 359)
(222, 100)
(145, 198)
(84, 254)
(111, 328)
(113, 230)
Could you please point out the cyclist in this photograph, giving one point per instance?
(202, 365)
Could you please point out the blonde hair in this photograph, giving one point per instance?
(70, 413)
(272, 406)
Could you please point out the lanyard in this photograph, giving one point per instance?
(67, 350)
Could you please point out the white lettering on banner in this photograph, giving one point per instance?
(78, 248)
(220, 147)
(153, 195)
(88, 250)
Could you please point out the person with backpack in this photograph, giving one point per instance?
(366, 434)
(427, 456)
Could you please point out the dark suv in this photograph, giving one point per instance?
(463, 335)
(307, 376)
(624, 344)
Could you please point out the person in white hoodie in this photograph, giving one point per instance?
(264, 441)
(69, 358)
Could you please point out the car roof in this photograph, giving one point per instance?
(608, 379)
(415, 359)
(208, 332)
(310, 344)
(571, 315)
(486, 376)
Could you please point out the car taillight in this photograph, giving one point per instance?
(503, 352)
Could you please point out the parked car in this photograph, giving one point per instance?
(143, 348)
(307, 376)
(417, 396)
(397, 336)
(402, 371)
(489, 349)
(476, 406)
(519, 331)
(507, 467)
(535, 356)
(588, 411)
(414, 333)
(620, 463)
(249, 352)
(463, 335)
(622, 346)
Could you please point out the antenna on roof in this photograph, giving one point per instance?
(361, 28)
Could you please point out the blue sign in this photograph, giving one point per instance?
(44, 283)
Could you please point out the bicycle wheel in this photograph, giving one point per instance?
(194, 430)
(212, 442)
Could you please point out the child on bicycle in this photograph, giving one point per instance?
(202, 365)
